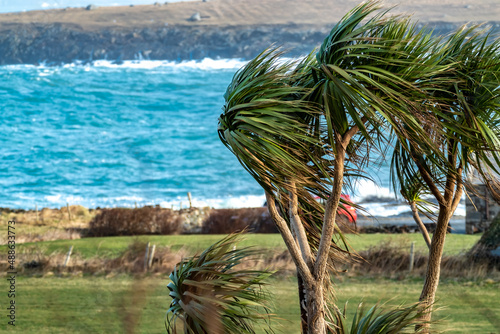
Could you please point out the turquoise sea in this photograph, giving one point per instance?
(114, 135)
(138, 133)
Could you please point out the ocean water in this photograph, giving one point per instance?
(139, 133)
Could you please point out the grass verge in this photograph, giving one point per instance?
(113, 246)
(126, 305)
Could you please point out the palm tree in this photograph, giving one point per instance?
(303, 129)
(210, 295)
(466, 136)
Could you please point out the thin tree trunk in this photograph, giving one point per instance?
(302, 303)
(289, 240)
(313, 273)
(428, 295)
(316, 323)
(315, 296)
(298, 227)
(421, 225)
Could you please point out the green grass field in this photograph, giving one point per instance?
(124, 304)
(127, 305)
(114, 246)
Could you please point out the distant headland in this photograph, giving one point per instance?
(200, 29)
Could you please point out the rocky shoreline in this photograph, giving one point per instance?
(56, 43)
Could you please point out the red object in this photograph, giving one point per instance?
(349, 211)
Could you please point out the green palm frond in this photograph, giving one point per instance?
(465, 101)
(267, 125)
(211, 295)
(284, 120)
(378, 320)
(376, 81)
(278, 137)
(374, 74)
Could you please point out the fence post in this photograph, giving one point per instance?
(146, 257)
(412, 255)
(151, 256)
(68, 256)
(69, 212)
(189, 198)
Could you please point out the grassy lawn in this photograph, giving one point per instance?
(124, 304)
(114, 246)
(127, 305)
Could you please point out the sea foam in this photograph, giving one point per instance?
(206, 64)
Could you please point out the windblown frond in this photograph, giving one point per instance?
(277, 136)
(210, 295)
(465, 100)
(378, 320)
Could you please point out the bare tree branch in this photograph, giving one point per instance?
(289, 241)
(330, 214)
(346, 138)
(458, 190)
(420, 224)
(299, 227)
(428, 180)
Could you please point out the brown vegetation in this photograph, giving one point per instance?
(388, 260)
(34, 261)
(393, 260)
(146, 220)
(70, 216)
(225, 221)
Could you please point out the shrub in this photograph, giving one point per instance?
(225, 221)
(146, 220)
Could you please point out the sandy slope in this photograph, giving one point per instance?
(238, 12)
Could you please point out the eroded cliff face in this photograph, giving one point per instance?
(54, 43)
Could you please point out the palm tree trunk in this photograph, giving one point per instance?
(315, 309)
(302, 304)
(428, 294)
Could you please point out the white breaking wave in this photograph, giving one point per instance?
(250, 201)
(382, 202)
(206, 64)
(365, 189)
